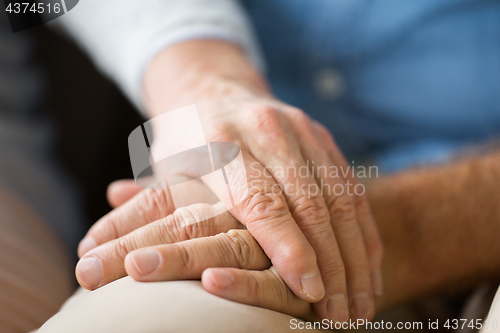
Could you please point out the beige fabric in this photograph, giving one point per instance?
(493, 319)
(35, 275)
(127, 306)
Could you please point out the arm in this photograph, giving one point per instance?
(220, 77)
(201, 71)
(440, 226)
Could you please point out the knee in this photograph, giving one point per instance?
(178, 306)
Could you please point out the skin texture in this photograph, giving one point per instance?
(440, 227)
(35, 274)
(428, 218)
(326, 247)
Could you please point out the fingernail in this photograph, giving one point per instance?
(89, 272)
(87, 244)
(221, 278)
(361, 306)
(312, 285)
(337, 308)
(146, 261)
(377, 282)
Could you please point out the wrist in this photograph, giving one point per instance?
(388, 198)
(201, 71)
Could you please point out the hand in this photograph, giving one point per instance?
(105, 263)
(317, 219)
(339, 228)
(311, 237)
(168, 250)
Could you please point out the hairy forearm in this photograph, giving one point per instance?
(440, 226)
(194, 71)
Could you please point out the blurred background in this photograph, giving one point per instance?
(92, 118)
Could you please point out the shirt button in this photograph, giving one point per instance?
(329, 84)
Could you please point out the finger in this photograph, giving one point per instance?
(265, 213)
(264, 289)
(121, 191)
(188, 260)
(344, 270)
(372, 239)
(345, 225)
(310, 211)
(147, 206)
(106, 262)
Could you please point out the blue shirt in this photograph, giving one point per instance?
(398, 81)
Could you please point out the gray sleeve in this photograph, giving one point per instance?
(122, 36)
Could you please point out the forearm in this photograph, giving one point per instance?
(199, 70)
(440, 226)
(122, 43)
(36, 274)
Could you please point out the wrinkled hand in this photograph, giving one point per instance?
(324, 245)
(171, 249)
(338, 225)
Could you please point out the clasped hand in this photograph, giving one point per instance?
(301, 253)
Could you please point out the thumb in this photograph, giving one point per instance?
(188, 259)
(105, 263)
(264, 289)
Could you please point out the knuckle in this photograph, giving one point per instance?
(361, 202)
(334, 271)
(242, 246)
(267, 119)
(263, 205)
(189, 223)
(154, 204)
(342, 209)
(300, 119)
(324, 133)
(254, 286)
(266, 114)
(218, 132)
(296, 114)
(291, 253)
(311, 211)
(191, 231)
(184, 224)
(187, 258)
(165, 230)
